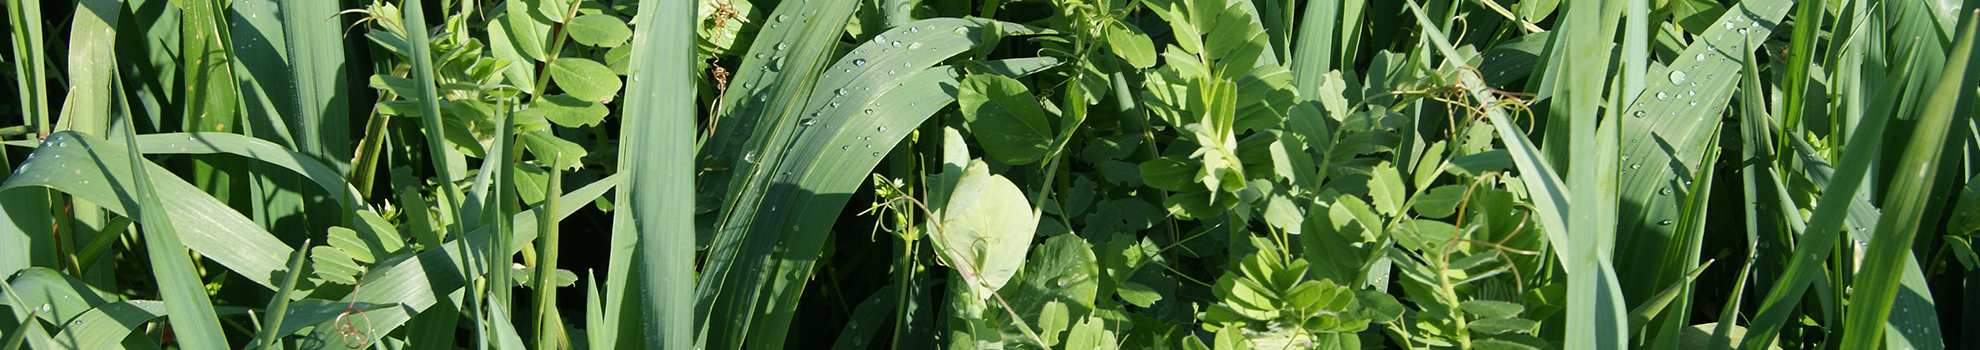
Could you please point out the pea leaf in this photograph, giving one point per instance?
(585, 79)
(1133, 46)
(1005, 118)
(599, 30)
(568, 111)
(981, 237)
(546, 146)
(1492, 309)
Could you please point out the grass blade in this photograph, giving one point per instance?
(1669, 130)
(549, 327)
(185, 295)
(278, 306)
(660, 155)
(1816, 241)
(817, 155)
(316, 61)
(29, 65)
(429, 106)
(1807, 21)
(1597, 318)
(81, 165)
(91, 66)
(30, 330)
(1883, 266)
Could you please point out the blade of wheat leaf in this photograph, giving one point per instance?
(835, 162)
(823, 135)
(83, 166)
(411, 285)
(751, 128)
(316, 57)
(1667, 132)
(660, 139)
(1597, 317)
(1760, 184)
(1889, 253)
(29, 331)
(429, 106)
(1604, 322)
(1827, 223)
(774, 79)
(24, 18)
(278, 305)
(184, 294)
(91, 66)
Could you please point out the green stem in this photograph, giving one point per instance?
(559, 36)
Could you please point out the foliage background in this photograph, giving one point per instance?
(1077, 174)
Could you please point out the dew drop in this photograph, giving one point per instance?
(913, 46)
(1677, 77)
(890, 72)
(842, 92)
(762, 97)
(1665, 191)
(845, 148)
(1663, 96)
(809, 121)
(783, 18)
(960, 31)
(869, 111)
(1694, 103)
(1742, 31)
(1665, 222)
(749, 157)
(914, 30)
(859, 62)
(1636, 166)
(1701, 57)
(897, 44)
(876, 154)
(852, 324)
(835, 105)
(877, 39)
(782, 46)
(882, 129)
(1639, 114)
(1729, 25)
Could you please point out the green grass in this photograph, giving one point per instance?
(1424, 174)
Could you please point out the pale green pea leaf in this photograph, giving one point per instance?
(1003, 115)
(585, 79)
(529, 30)
(1090, 334)
(599, 30)
(1386, 189)
(1131, 45)
(1502, 325)
(545, 146)
(1138, 294)
(1440, 202)
(1492, 308)
(568, 111)
(981, 237)
(1052, 320)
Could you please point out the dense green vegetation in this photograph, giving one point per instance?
(958, 174)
